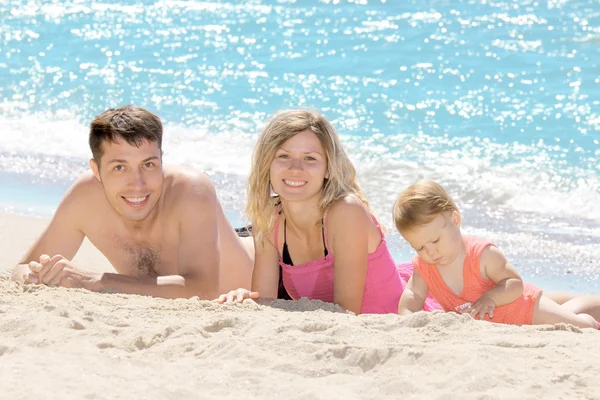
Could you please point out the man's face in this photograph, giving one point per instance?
(132, 177)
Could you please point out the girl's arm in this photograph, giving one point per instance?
(509, 285)
(414, 295)
(348, 227)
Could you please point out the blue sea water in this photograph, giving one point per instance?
(497, 100)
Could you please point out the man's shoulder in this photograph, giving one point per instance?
(85, 194)
(86, 186)
(186, 184)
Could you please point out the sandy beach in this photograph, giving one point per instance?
(57, 343)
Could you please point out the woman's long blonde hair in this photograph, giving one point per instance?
(261, 205)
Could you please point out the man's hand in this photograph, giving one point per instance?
(36, 269)
(58, 271)
(484, 305)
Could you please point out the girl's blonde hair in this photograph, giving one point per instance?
(261, 205)
(420, 203)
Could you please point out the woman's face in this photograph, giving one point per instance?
(299, 168)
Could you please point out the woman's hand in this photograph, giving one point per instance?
(240, 295)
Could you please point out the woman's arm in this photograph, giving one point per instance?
(348, 228)
(265, 277)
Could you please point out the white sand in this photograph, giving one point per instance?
(57, 343)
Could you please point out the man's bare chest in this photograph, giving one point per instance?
(153, 256)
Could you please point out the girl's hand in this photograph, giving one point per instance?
(484, 305)
(237, 296)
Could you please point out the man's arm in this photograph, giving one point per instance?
(198, 257)
(62, 235)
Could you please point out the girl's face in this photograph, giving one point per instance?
(439, 242)
(299, 168)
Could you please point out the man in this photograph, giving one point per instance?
(163, 230)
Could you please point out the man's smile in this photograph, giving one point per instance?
(136, 201)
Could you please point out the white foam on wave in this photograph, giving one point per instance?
(476, 172)
(522, 178)
(56, 134)
(226, 153)
(56, 147)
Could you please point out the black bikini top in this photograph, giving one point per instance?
(285, 254)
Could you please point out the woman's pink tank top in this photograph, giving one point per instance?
(383, 286)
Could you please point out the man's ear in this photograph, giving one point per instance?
(456, 218)
(95, 169)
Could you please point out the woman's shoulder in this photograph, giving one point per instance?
(349, 206)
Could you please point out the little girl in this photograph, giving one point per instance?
(465, 274)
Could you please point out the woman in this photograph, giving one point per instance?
(311, 219)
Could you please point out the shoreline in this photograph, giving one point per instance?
(18, 231)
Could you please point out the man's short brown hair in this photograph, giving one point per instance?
(129, 123)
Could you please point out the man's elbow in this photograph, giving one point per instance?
(206, 288)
